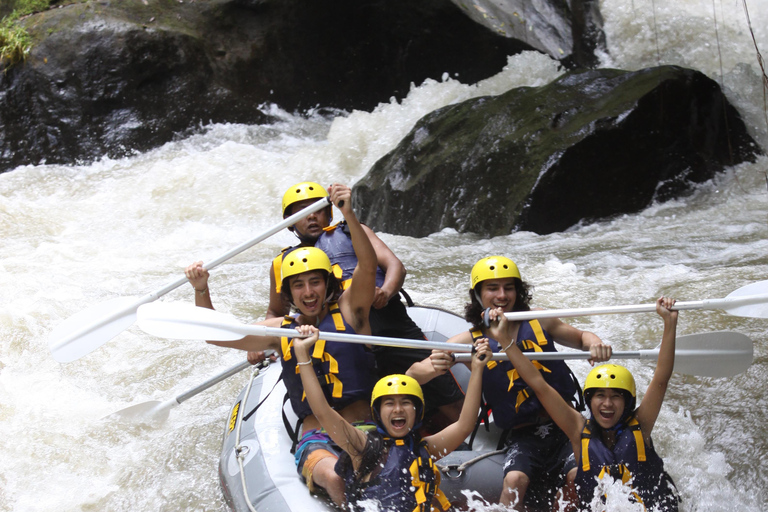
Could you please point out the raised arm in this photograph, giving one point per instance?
(394, 270)
(356, 301)
(349, 439)
(198, 276)
(448, 439)
(649, 408)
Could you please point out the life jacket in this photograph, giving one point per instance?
(397, 490)
(345, 370)
(630, 458)
(337, 244)
(513, 403)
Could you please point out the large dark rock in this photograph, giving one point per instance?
(571, 31)
(589, 146)
(111, 77)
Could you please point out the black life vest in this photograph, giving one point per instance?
(630, 458)
(345, 370)
(404, 480)
(337, 244)
(513, 403)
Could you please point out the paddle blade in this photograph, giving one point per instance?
(713, 354)
(757, 310)
(178, 320)
(147, 412)
(89, 329)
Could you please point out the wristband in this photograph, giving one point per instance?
(507, 347)
(304, 363)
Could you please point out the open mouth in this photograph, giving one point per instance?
(398, 423)
(606, 415)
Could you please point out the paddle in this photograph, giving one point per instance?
(710, 354)
(155, 410)
(748, 301)
(184, 321)
(87, 330)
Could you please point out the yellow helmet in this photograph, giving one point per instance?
(493, 267)
(303, 260)
(397, 385)
(610, 376)
(302, 191)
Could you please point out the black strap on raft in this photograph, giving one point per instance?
(485, 411)
(578, 400)
(245, 418)
(407, 298)
(293, 432)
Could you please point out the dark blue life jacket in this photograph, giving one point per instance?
(345, 370)
(630, 458)
(405, 479)
(513, 403)
(337, 244)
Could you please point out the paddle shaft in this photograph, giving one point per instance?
(154, 295)
(212, 381)
(726, 303)
(260, 330)
(553, 356)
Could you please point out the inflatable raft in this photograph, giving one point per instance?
(257, 470)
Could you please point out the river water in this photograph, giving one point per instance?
(75, 236)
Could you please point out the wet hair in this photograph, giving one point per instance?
(473, 310)
(332, 291)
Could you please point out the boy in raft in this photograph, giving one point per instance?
(346, 369)
(539, 455)
(615, 439)
(388, 318)
(392, 466)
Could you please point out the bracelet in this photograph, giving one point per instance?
(507, 347)
(305, 363)
(202, 291)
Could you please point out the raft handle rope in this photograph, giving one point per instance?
(242, 451)
(454, 471)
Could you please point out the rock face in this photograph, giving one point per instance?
(111, 77)
(568, 31)
(589, 146)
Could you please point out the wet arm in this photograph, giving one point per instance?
(394, 270)
(350, 439)
(198, 276)
(356, 301)
(448, 439)
(650, 407)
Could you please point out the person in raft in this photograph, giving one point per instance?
(615, 439)
(392, 466)
(347, 370)
(539, 457)
(388, 314)
(388, 317)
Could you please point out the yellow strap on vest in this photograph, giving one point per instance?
(284, 343)
(639, 442)
(633, 424)
(539, 332)
(277, 265)
(318, 352)
(422, 488)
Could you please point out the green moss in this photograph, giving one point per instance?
(14, 43)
